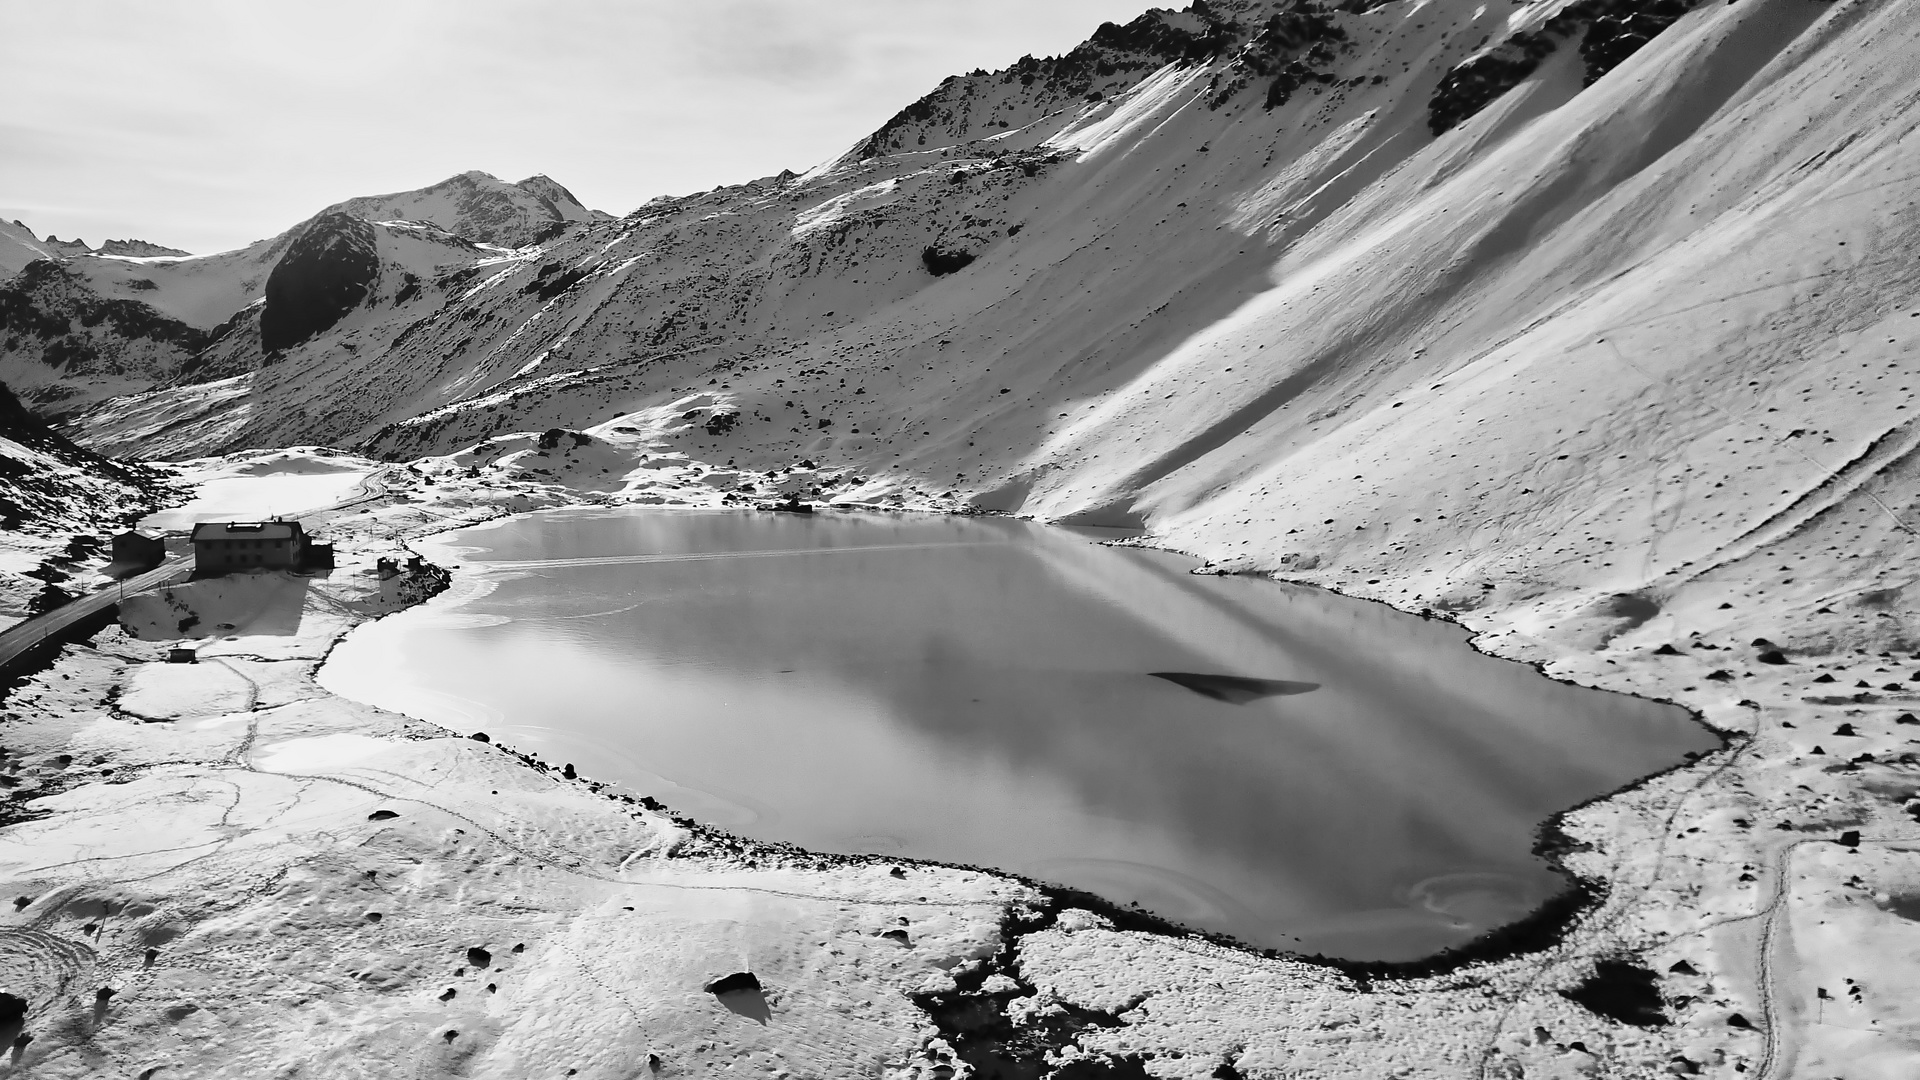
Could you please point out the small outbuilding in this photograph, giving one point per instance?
(135, 552)
(221, 547)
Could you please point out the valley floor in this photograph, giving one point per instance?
(222, 870)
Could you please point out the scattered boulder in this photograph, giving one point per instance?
(734, 983)
(478, 958)
(1666, 650)
(1681, 967)
(899, 936)
(382, 815)
(1772, 656)
(1844, 729)
(1738, 1021)
(941, 262)
(480, 736)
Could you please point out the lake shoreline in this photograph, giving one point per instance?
(503, 619)
(1040, 946)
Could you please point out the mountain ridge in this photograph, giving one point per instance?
(1145, 308)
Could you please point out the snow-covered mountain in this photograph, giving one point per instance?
(481, 208)
(19, 246)
(89, 324)
(1275, 279)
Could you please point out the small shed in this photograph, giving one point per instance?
(135, 552)
(221, 547)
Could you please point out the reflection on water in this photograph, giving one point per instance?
(986, 691)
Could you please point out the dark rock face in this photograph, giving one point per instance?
(325, 273)
(1474, 85)
(940, 262)
(1613, 31)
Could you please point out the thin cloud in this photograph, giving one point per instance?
(214, 123)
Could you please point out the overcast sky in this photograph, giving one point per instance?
(206, 124)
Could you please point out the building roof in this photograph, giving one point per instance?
(246, 530)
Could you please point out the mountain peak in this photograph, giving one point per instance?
(480, 207)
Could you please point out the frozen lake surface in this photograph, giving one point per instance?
(1297, 769)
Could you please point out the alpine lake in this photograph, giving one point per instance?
(1294, 768)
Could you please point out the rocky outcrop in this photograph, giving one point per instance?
(1613, 31)
(137, 249)
(48, 482)
(327, 272)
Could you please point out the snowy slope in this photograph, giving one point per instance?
(18, 247)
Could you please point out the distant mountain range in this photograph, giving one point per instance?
(19, 246)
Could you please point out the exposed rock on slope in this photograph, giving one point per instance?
(58, 504)
(327, 272)
(138, 249)
(48, 482)
(67, 344)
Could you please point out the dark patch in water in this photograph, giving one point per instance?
(1235, 689)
